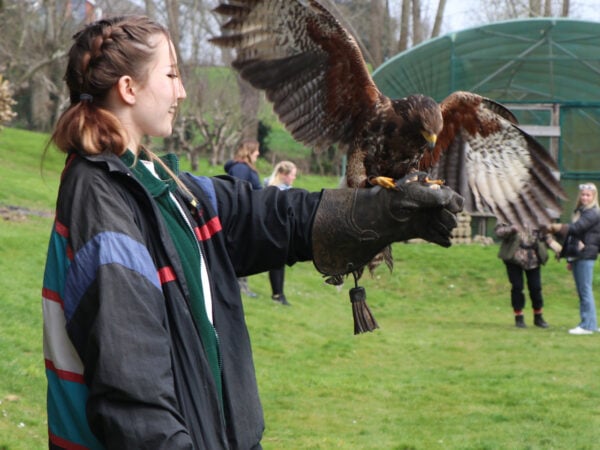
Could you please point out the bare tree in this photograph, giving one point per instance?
(6, 102)
(439, 18)
(417, 28)
(377, 29)
(219, 134)
(535, 8)
(249, 102)
(404, 25)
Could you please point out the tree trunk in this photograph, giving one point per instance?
(150, 9)
(535, 8)
(439, 17)
(377, 29)
(404, 26)
(417, 25)
(249, 99)
(172, 7)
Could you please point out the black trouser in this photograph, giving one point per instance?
(276, 279)
(534, 285)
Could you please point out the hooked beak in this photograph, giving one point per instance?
(430, 138)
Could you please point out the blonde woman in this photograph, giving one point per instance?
(283, 176)
(581, 240)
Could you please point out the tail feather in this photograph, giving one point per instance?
(385, 256)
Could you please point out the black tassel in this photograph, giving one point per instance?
(363, 319)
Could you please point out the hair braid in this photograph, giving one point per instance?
(103, 52)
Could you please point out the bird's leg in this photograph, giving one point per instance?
(437, 182)
(433, 184)
(390, 183)
(385, 182)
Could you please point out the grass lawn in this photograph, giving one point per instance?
(447, 369)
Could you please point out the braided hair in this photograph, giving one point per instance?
(102, 53)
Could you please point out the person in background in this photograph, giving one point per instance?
(282, 177)
(145, 340)
(581, 239)
(243, 166)
(523, 253)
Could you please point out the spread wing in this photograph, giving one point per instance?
(309, 66)
(313, 72)
(484, 155)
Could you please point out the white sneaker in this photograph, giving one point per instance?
(579, 331)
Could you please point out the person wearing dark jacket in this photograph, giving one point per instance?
(243, 166)
(145, 343)
(580, 248)
(524, 252)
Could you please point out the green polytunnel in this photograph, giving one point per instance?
(546, 70)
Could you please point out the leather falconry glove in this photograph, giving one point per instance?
(554, 228)
(352, 225)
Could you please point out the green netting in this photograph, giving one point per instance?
(535, 60)
(580, 135)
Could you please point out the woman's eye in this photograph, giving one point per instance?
(173, 75)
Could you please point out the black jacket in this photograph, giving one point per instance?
(243, 171)
(131, 356)
(587, 230)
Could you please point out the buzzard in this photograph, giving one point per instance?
(313, 72)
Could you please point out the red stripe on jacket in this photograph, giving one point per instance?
(63, 443)
(208, 230)
(61, 229)
(49, 294)
(64, 374)
(166, 274)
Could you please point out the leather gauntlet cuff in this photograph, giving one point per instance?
(353, 225)
(344, 238)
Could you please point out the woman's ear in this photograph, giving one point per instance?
(126, 90)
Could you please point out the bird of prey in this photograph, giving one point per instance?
(313, 72)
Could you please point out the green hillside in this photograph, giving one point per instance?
(446, 370)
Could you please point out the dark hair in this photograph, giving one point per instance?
(102, 53)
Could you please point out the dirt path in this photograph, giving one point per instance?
(19, 214)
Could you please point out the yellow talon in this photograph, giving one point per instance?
(385, 182)
(437, 182)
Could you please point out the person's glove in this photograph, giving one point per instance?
(554, 246)
(352, 225)
(554, 228)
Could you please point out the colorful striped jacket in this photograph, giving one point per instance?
(124, 361)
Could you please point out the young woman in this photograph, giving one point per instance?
(581, 242)
(283, 176)
(145, 343)
(243, 166)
